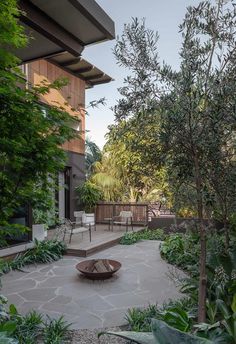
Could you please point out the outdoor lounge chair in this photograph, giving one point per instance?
(125, 218)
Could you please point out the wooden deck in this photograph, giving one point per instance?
(102, 238)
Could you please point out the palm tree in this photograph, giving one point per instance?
(92, 155)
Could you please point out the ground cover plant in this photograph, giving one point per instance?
(146, 234)
(31, 328)
(161, 334)
(43, 252)
(183, 250)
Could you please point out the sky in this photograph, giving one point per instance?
(163, 16)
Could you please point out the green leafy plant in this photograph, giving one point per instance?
(161, 334)
(55, 331)
(44, 252)
(28, 327)
(10, 231)
(179, 314)
(146, 234)
(129, 238)
(5, 339)
(88, 196)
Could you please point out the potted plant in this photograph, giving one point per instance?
(88, 196)
(39, 224)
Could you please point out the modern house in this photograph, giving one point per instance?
(59, 31)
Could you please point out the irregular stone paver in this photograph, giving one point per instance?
(57, 289)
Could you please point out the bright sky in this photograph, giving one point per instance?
(163, 16)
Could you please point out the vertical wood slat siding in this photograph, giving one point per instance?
(71, 96)
(110, 209)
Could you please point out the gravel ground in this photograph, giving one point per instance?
(91, 336)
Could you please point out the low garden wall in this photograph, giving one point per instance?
(168, 223)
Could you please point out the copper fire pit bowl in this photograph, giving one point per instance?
(83, 267)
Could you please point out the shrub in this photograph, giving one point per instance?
(129, 238)
(55, 331)
(44, 252)
(182, 250)
(146, 234)
(161, 333)
(178, 314)
(88, 196)
(30, 328)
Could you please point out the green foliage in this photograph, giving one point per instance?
(129, 238)
(31, 135)
(146, 234)
(121, 173)
(55, 331)
(93, 154)
(44, 252)
(232, 223)
(178, 314)
(5, 339)
(193, 109)
(88, 196)
(181, 249)
(161, 334)
(30, 328)
(12, 34)
(9, 232)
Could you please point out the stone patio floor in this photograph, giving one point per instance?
(58, 289)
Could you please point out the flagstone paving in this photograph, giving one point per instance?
(58, 289)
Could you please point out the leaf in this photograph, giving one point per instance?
(136, 337)
(233, 304)
(164, 334)
(13, 310)
(9, 327)
(223, 308)
(4, 339)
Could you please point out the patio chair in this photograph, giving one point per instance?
(124, 218)
(78, 217)
(88, 220)
(70, 228)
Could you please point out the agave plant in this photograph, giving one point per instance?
(5, 339)
(161, 334)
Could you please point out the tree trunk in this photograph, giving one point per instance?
(202, 258)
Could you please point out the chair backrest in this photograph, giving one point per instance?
(88, 219)
(64, 227)
(126, 215)
(78, 216)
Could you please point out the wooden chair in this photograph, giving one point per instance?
(125, 218)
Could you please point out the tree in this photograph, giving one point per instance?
(31, 135)
(92, 155)
(196, 104)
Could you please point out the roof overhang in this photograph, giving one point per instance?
(62, 25)
(80, 68)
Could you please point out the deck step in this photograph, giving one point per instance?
(94, 249)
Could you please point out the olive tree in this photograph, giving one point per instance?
(196, 103)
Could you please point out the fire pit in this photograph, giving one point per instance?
(98, 268)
